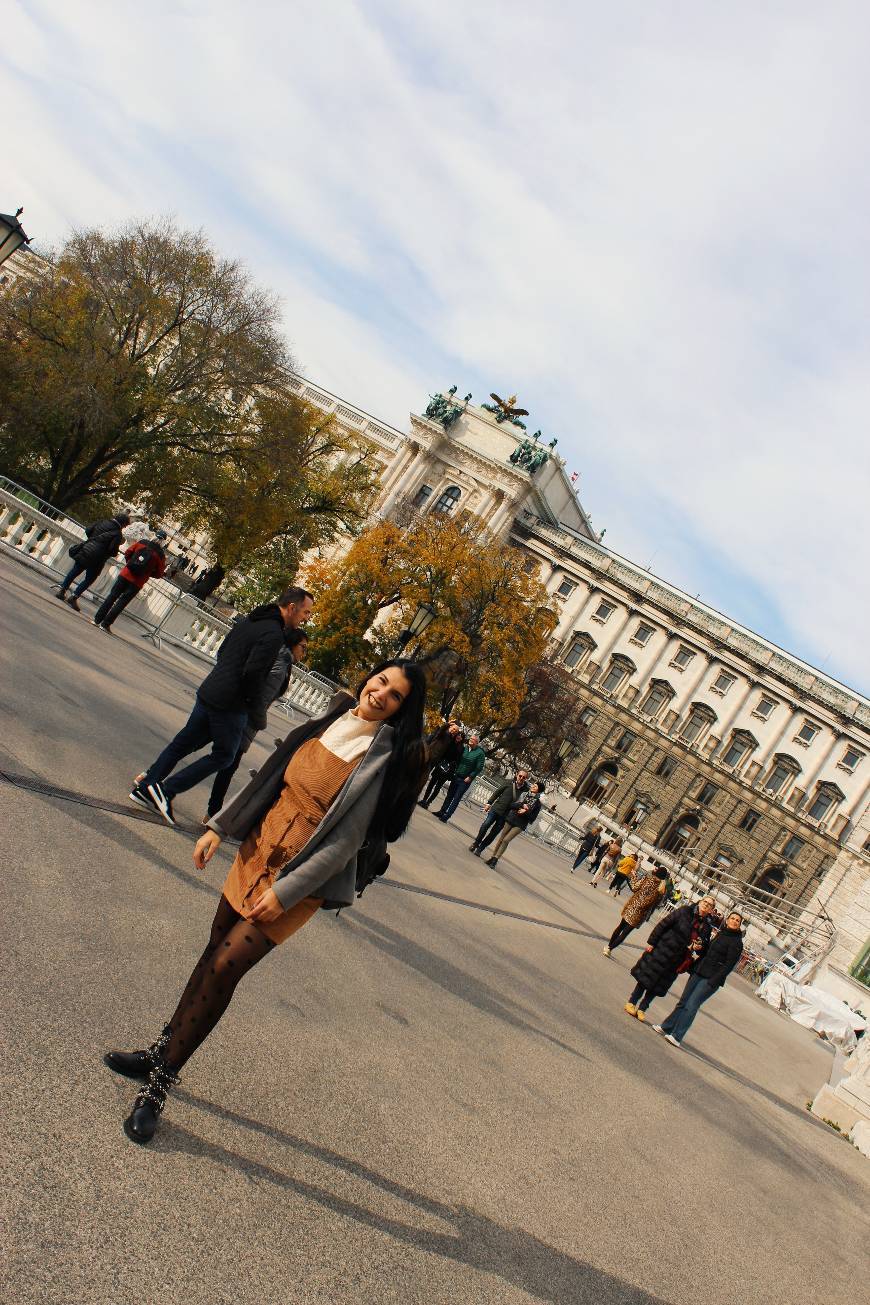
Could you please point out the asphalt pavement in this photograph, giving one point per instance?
(435, 1097)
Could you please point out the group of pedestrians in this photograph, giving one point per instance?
(457, 762)
(511, 808)
(692, 939)
(513, 805)
(314, 822)
(144, 559)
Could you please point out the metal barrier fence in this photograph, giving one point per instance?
(40, 536)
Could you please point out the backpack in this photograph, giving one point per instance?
(139, 563)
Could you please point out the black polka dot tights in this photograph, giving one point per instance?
(235, 946)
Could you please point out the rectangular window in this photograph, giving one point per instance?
(682, 657)
(821, 806)
(566, 588)
(624, 742)
(654, 701)
(613, 679)
(692, 728)
(750, 820)
(575, 654)
(666, 767)
(603, 612)
(735, 753)
(643, 634)
(587, 716)
(806, 733)
(723, 682)
(707, 794)
(777, 777)
(423, 493)
(850, 758)
(764, 707)
(792, 847)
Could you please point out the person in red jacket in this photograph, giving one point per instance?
(143, 561)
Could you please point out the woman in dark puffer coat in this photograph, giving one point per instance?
(673, 947)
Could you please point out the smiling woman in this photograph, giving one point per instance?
(336, 784)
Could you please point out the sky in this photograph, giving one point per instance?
(647, 219)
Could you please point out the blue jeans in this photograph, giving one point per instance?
(492, 825)
(91, 571)
(456, 792)
(681, 1018)
(222, 729)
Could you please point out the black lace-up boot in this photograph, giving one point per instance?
(138, 1064)
(141, 1123)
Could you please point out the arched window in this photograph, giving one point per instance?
(424, 493)
(772, 879)
(680, 834)
(448, 500)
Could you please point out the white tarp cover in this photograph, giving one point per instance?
(813, 1008)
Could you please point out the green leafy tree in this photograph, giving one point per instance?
(128, 348)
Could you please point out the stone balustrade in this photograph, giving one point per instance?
(308, 693)
(41, 536)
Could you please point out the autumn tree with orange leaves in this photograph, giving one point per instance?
(492, 623)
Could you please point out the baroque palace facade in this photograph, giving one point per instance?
(704, 738)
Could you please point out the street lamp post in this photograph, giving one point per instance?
(423, 618)
(12, 234)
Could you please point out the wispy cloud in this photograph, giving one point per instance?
(650, 221)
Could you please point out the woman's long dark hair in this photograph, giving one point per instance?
(407, 761)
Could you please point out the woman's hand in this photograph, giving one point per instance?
(206, 848)
(266, 908)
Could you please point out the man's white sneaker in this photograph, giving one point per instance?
(161, 802)
(669, 1037)
(141, 797)
(657, 1028)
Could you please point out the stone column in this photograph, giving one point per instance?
(404, 480)
(813, 775)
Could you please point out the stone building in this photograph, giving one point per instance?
(707, 740)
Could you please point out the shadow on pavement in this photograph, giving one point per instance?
(435, 969)
(514, 1255)
(749, 1083)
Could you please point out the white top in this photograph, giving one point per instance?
(349, 737)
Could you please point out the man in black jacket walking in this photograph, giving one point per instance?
(501, 800)
(223, 700)
(708, 976)
(275, 684)
(103, 539)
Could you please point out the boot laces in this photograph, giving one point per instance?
(160, 1080)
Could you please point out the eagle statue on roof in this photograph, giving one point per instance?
(506, 410)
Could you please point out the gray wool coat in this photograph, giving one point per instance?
(326, 866)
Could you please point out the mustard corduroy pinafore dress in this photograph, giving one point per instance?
(312, 781)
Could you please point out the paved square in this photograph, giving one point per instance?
(425, 1100)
